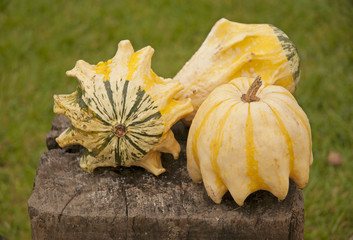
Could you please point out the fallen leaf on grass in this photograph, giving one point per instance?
(335, 158)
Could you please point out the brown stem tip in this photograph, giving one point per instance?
(250, 96)
(119, 130)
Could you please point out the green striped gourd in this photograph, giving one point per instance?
(122, 112)
(234, 50)
(246, 138)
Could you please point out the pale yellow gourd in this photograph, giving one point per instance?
(122, 112)
(245, 139)
(238, 50)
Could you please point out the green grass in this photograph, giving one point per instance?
(40, 40)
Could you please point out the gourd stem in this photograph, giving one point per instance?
(119, 130)
(250, 96)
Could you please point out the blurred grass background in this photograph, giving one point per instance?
(40, 40)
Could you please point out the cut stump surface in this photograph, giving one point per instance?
(131, 203)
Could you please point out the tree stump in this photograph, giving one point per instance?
(131, 203)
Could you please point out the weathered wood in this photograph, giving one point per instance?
(130, 203)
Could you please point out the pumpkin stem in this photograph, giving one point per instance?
(250, 96)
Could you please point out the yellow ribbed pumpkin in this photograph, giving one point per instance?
(246, 138)
(122, 112)
(234, 50)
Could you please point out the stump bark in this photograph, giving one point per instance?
(131, 203)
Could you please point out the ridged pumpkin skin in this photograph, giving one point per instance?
(234, 50)
(248, 146)
(122, 112)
